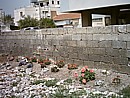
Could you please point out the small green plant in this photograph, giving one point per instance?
(37, 82)
(14, 83)
(60, 63)
(33, 59)
(116, 80)
(68, 80)
(125, 92)
(47, 62)
(51, 83)
(54, 69)
(72, 66)
(86, 75)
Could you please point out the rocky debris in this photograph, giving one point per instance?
(32, 81)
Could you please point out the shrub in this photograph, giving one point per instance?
(37, 82)
(40, 60)
(34, 59)
(47, 62)
(72, 66)
(54, 69)
(126, 92)
(60, 63)
(51, 83)
(86, 75)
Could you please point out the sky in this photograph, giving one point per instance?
(9, 5)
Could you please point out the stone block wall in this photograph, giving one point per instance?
(93, 46)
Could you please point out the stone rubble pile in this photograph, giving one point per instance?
(20, 82)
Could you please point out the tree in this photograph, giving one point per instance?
(28, 22)
(8, 19)
(46, 23)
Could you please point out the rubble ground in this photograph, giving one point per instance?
(17, 81)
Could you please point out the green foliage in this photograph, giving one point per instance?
(47, 23)
(60, 63)
(8, 19)
(37, 82)
(51, 83)
(33, 59)
(63, 92)
(68, 80)
(126, 92)
(86, 75)
(14, 83)
(28, 22)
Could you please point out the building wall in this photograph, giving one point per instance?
(35, 11)
(75, 5)
(98, 47)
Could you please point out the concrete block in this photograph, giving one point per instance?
(55, 54)
(53, 31)
(73, 56)
(98, 30)
(72, 43)
(76, 37)
(120, 60)
(64, 54)
(106, 29)
(128, 45)
(61, 31)
(118, 44)
(122, 29)
(98, 37)
(107, 59)
(99, 51)
(68, 60)
(67, 37)
(87, 37)
(68, 49)
(81, 43)
(70, 30)
(50, 36)
(128, 28)
(78, 62)
(94, 57)
(105, 44)
(128, 53)
(63, 43)
(92, 44)
(82, 56)
(112, 52)
(124, 37)
(55, 42)
(59, 37)
(80, 30)
(90, 64)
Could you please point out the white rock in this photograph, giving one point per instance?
(14, 89)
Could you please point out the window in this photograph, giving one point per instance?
(47, 3)
(58, 2)
(21, 14)
(41, 4)
(52, 1)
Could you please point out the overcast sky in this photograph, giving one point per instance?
(9, 5)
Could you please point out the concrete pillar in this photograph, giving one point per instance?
(86, 18)
(115, 17)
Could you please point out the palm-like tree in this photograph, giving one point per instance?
(28, 22)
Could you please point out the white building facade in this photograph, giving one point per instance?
(38, 9)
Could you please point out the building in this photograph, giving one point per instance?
(38, 9)
(68, 20)
(2, 15)
(119, 10)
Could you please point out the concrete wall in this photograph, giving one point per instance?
(107, 47)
